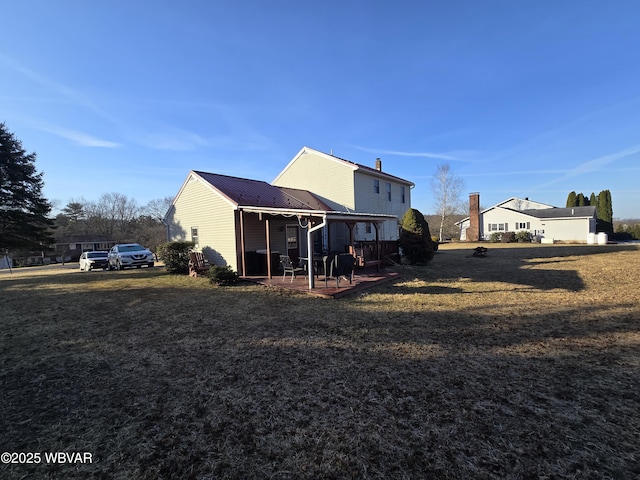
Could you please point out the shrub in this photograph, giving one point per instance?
(415, 239)
(223, 275)
(175, 256)
(435, 243)
(508, 237)
(495, 237)
(523, 236)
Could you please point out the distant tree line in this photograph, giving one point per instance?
(116, 217)
(603, 204)
(627, 230)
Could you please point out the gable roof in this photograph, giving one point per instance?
(353, 165)
(244, 192)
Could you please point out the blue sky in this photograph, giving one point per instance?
(520, 98)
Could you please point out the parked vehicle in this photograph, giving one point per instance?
(129, 255)
(92, 260)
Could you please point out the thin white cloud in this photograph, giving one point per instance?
(593, 165)
(64, 92)
(437, 156)
(79, 138)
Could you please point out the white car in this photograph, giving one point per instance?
(90, 260)
(129, 255)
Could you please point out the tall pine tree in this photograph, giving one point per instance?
(572, 200)
(24, 221)
(604, 210)
(581, 201)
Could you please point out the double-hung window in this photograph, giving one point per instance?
(194, 236)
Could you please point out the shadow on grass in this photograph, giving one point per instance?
(517, 266)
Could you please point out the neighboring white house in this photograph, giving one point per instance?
(318, 203)
(540, 220)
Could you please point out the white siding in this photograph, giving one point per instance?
(368, 201)
(507, 218)
(568, 229)
(199, 206)
(523, 204)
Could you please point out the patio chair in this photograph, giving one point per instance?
(198, 264)
(289, 267)
(340, 265)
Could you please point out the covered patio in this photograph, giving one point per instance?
(312, 222)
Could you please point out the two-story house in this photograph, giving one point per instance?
(318, 203)
(350, 187)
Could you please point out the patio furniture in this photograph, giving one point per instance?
(289, 267)
(366, 256)
(198, 264)
(480, 251)
(340, 265)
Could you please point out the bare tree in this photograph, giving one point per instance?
(447, 191)
(158, 208)
(112, 215)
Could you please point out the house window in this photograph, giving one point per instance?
(367, 228)
(402, 192)
(376, 186)
(388, 191)
(194, 235)
(523, 225)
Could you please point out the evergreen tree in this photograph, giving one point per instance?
(415, 238)
(572, 200)
(580, 200)
(604, 211)
(24, 221)
(593, 200)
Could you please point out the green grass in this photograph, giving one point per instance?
(524, 364)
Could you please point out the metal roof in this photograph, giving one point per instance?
(256, 193)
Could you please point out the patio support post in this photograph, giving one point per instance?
(310, 231)
(268, 248)
(351, 226)
(242, 250)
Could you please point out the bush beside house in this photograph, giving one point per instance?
(175, 256)
(415, 238)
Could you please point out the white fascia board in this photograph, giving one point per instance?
(331, 215)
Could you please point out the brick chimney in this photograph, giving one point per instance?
(378, 164)
(473, 232)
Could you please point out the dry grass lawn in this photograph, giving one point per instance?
(524, 365)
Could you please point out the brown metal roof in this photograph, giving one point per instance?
(256, 193)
